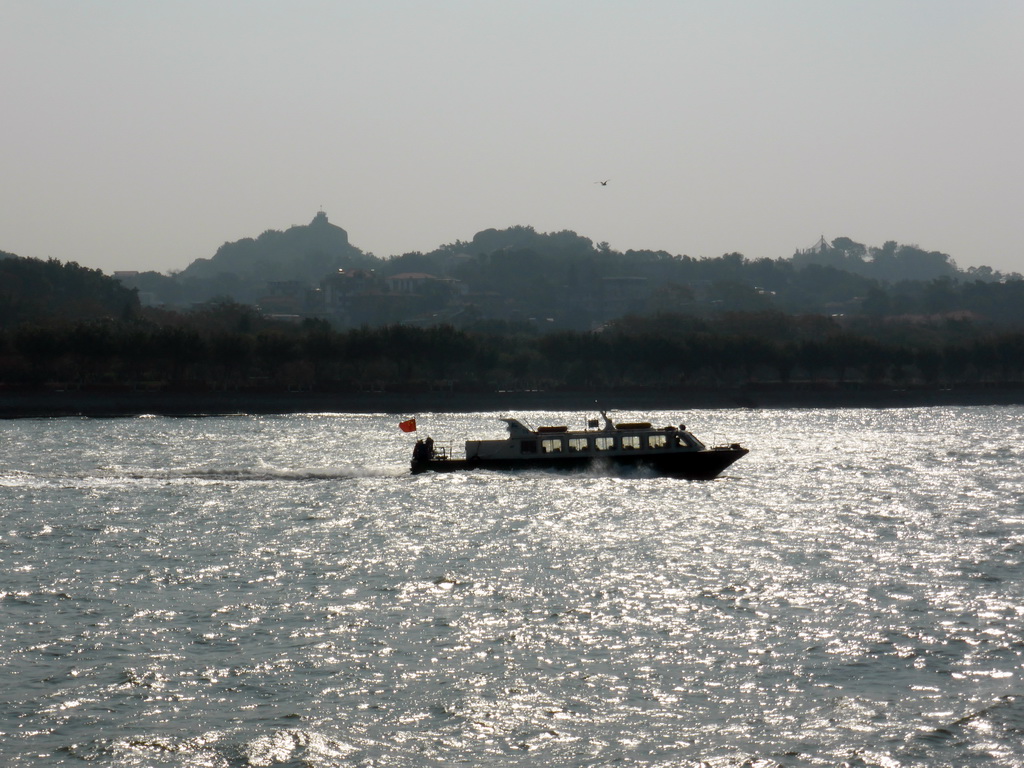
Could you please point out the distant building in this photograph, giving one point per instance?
(346, 297)
(286, 297)
(418, 284)
(822, 246)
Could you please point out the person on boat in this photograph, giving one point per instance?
(423, 450)
(420, 452)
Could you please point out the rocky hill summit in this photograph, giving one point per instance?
(302, 252)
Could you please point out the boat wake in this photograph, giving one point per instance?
(112, 476)
(274, 474)
(604, 468)
(267, 473)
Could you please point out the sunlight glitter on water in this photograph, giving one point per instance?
(254, 591)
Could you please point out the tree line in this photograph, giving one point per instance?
(231, 347)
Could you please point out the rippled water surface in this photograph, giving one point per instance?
(279, 591)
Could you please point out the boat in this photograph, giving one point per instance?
(671, 451)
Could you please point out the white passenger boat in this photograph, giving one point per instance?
(671, 450)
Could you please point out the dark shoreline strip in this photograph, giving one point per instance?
(15, 405)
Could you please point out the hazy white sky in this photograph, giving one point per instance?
(143, 135)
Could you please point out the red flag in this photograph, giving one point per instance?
(408, 426)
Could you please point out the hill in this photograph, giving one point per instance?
(303, 253)
(45, 292)
(565, 282)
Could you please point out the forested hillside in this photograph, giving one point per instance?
(563, 281)
(42, 292)
(519, 310)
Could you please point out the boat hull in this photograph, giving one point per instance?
(687, 465)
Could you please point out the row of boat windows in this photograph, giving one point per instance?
(608, 443)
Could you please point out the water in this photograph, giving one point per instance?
(278, 591)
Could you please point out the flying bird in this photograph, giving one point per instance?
(603, 183)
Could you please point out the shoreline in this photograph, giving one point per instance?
(98, 404)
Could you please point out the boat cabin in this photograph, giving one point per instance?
(553, 442)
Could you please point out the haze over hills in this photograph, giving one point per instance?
(562, 280)
(517, 273)
(308, 252)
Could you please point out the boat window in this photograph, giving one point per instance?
(630, 442)
(577, 444)
(604, 443)
(657, 441)
(686, 440)
(527, 446)
(551, 446)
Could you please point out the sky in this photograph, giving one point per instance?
(143, 135)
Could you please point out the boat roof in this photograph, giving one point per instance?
(516, 428)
